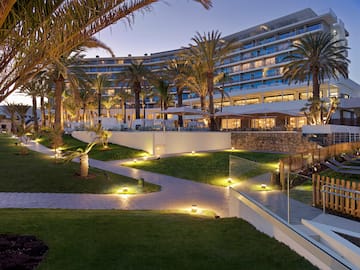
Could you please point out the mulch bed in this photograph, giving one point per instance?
(21, 252)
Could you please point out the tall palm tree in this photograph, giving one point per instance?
(209, 50)
(134, 76)
(178, 72)
(315, 58)
(100, 83)
(163, 89)
(87, 96)
(50, 29)
(21, 110)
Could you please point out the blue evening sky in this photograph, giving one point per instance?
(172, 23)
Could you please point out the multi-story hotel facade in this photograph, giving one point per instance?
(257, 96)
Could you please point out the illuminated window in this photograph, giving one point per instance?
(270, 61)
(263, 123)
(297, 122)
(230, 123)
(259, 63)
(246, 66)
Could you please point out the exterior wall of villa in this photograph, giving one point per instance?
(274, 141)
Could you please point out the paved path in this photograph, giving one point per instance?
(175, 193)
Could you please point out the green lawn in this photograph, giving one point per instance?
(148, 240)
(35, 172)
(114, 152)
(210, 167)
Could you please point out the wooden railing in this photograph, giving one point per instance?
(296, 162)
(336, 195)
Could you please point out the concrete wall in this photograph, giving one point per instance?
(243, 207)
(276, 141)
(163, 143)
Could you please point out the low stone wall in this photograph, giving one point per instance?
(275, 141)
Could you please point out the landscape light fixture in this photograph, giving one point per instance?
(263, 186)
(194, 208)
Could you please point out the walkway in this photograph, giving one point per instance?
(175, 193)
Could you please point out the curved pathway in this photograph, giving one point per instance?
(175, 193)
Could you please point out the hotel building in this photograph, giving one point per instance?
(254, 70)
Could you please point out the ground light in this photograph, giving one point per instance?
(193, 152)
(263, 186)
(194, 208)
(229, 180)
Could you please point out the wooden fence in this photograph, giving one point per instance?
(309, 158)
(338, 195)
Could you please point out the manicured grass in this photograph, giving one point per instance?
(148, 240)
(210, 167)
(35, 172)
(114, 152)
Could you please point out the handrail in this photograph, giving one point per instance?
(337, 187)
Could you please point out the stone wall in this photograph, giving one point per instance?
(276, 141)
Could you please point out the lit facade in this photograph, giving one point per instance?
(254, 71)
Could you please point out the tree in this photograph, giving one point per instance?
(179, 73)
(163, 88)
(10, 109)
(109, 103)
(82, 154)
(99, 83)
(35, 33)
(134, 76)
(209, 50)
(315, 58)
(21, 111)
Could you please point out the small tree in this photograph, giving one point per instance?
(82, 154)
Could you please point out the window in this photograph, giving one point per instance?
(270, 61)
(246, 66)
(246, 55)
(259, 63)
(270, 49)
(313, 27)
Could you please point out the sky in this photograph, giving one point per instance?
(172, 23)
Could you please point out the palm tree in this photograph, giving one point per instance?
(99, 83)
(109, 103)
(134, 76)
(87, 96)
(50, 29)
(163, 88)
(21, 110)
(83, 155)
(123, 95)
(209, 50)
(178, 71)
(10, 109)
(315, 58)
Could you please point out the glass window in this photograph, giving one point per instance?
(313, 27)
(270, 49)
(246, 55)
(270, 61)
(248, 45)
(258, 63)
(246, 66)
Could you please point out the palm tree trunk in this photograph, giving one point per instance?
(84, 165)
(137, 90)
(180, 103)
(210, 81)
(34, 112)
(42, 109)
(59, 82)
(316, 86)
(202, 103)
